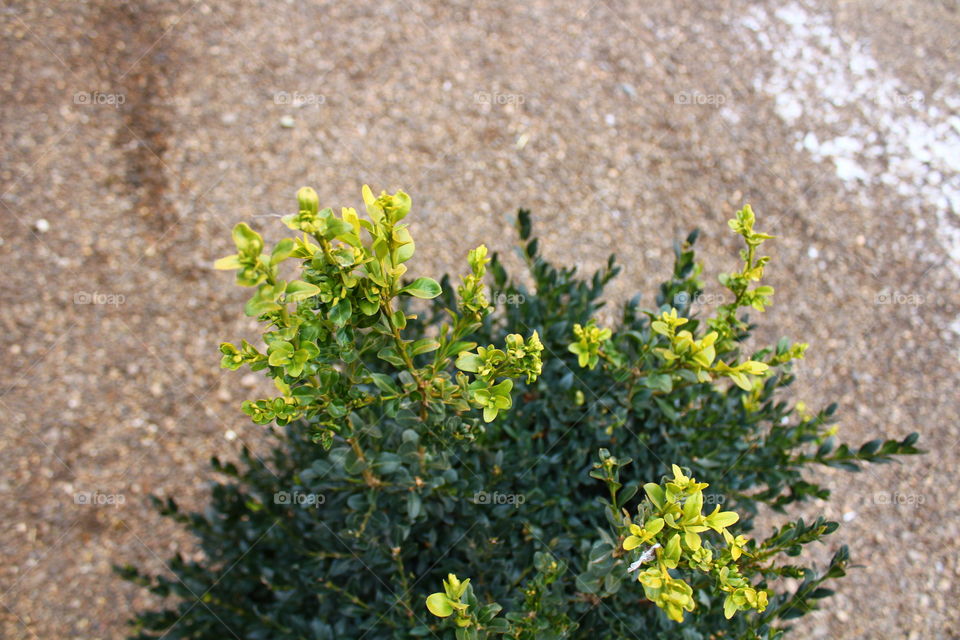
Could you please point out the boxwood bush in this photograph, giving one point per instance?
(447, 467)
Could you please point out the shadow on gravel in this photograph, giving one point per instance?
(135, 57)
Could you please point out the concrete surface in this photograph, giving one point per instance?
(135, 134)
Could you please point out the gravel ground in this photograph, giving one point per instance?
(136, 133)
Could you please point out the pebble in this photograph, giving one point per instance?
(628, 89)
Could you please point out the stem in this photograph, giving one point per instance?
(750, 254)
(404, 583)
(402, 348)
(357, 601)
(366, 516)
(613, 496)
(369, 477)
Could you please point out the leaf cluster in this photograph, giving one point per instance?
(518, 464)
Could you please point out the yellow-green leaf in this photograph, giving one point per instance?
(729, 607)
(228, 263)
(439, 605)
(722, 519)
(655, 493)
(425, 288)
(632, 542)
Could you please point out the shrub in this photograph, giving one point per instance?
(544, 458)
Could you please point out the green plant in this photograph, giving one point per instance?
(403, 458)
